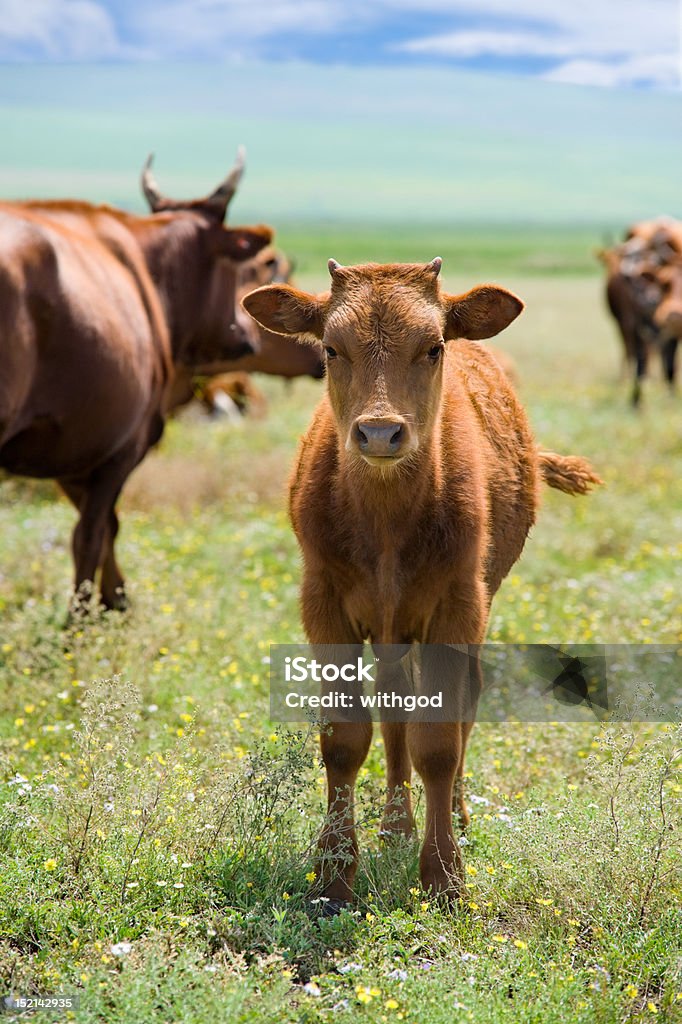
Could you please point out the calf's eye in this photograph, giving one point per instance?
(435, 352)
(331, 352)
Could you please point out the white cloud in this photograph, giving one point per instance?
(603, 42)
(662, 70)
(57, 30)
(481, 43)
(217, 26)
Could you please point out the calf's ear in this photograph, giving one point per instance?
(286, 310)
(481, 313)
(240, 244)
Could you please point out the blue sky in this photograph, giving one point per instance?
(611, 43)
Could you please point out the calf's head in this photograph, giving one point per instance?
(202, 259)
(383, 330)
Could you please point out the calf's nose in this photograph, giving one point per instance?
(380, 438)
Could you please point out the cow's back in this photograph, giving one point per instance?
(81, 358)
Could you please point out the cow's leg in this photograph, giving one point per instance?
(344, 745)
(641, 364)
(474, 685)
(437, 748)
(112, 582)
(669, 355)
(436, 752)
(459, 806)
(89, 540)
(75, 491)
(344, 748)
(397, 819)
(93, 537)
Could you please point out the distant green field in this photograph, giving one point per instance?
(482, 251)
(414, 147)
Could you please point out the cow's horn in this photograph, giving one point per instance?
(223, 194)
(434, 266)
(334, 265)
(151, 190)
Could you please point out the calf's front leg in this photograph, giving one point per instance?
(344, 745)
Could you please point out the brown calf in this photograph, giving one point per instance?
(97, 309)
(415, 489)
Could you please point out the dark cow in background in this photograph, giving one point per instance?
(270, 266)
(274, 355)
(232, 394)
(640, 293)
(98, 307)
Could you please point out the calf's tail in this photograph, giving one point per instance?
(568, 473)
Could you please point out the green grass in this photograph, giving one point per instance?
(172, 773)
(481, 250)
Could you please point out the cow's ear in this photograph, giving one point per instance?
(286, 310)
(481, 313)
(240, 244)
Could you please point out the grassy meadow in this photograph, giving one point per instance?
(157, 831)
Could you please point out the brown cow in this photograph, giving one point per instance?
(632, 296)
(636, 284)
(415, 489)
(97, 308)
(270, 266)
(662, 233)
(275, 354)
(234, 391)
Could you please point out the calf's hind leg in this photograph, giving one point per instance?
(393, 678)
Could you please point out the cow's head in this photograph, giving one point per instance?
(384, 331)
(270, 266)
(196, 264)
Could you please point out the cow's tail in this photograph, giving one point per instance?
(568, 473)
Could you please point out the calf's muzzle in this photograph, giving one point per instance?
(380, 438)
